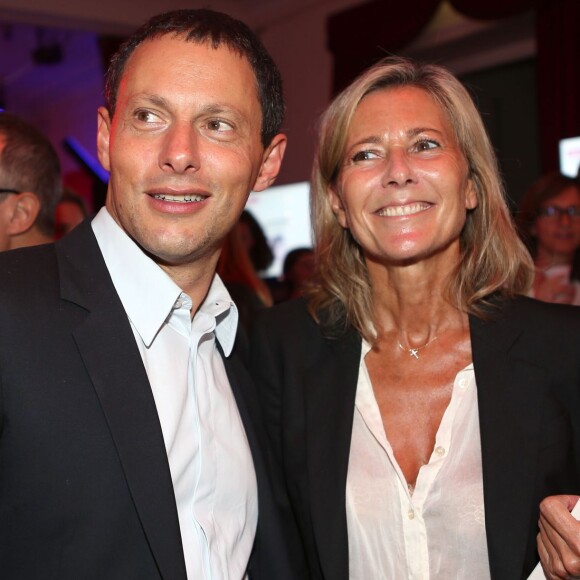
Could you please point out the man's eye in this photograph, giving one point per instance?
(364, 156)
(219, 125)
(426, 145)
(146, 117)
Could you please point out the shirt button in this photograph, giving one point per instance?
(463, 383)
(440, 451)
(411, 514)
(178, 303)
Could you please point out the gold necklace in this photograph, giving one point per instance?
(415, 351)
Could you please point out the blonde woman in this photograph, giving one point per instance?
(420, 407)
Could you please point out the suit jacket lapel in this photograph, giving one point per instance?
(510, 394)
(330, 390)
(107, 346)
(246, 399)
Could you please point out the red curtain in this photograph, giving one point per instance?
(492, 9)
(359, 36)
(558, 38)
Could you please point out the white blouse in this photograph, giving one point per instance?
(438, 531)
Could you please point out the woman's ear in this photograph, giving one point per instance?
(471, 201)
(337, 207)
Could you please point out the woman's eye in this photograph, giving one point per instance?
(364, 156)
(426, 145)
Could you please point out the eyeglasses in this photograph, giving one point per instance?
(4, 190)
(552, 211)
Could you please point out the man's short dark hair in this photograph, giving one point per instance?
(28, 162)
(217, 29)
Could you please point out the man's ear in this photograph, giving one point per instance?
(337, 207)
(24, 208)
(271, 163)
(103, 136)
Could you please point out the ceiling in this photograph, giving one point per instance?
(61, 98)
(123, 16)
(27, 26)
(34, 31)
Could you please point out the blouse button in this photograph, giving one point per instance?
(440, 451)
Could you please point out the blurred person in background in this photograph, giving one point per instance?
(248, 291)
(297, 272)
(30, 184)
(254, 239)
(549, 221)
(70, 212)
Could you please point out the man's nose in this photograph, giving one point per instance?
(180, 151)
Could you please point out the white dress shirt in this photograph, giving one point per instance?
(437, 532)
(209, 456)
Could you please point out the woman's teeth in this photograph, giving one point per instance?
(401, 210)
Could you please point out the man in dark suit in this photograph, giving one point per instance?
(130, 439)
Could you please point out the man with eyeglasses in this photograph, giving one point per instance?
(30, 185)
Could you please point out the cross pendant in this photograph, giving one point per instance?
(414, 352)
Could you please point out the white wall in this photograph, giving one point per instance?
(298, 45)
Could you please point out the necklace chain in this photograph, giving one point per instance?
(414, 352)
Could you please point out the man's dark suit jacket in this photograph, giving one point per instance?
(85, 486)
(527, 369)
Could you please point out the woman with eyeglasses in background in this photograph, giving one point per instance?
(549, 219)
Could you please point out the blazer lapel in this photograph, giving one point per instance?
(329, 391)
(107, 346)
(246, 399)
(510, 395)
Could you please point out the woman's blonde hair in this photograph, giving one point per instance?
(493, 259)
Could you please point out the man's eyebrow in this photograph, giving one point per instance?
(219, 108)
(152, 99)
(163, 103)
